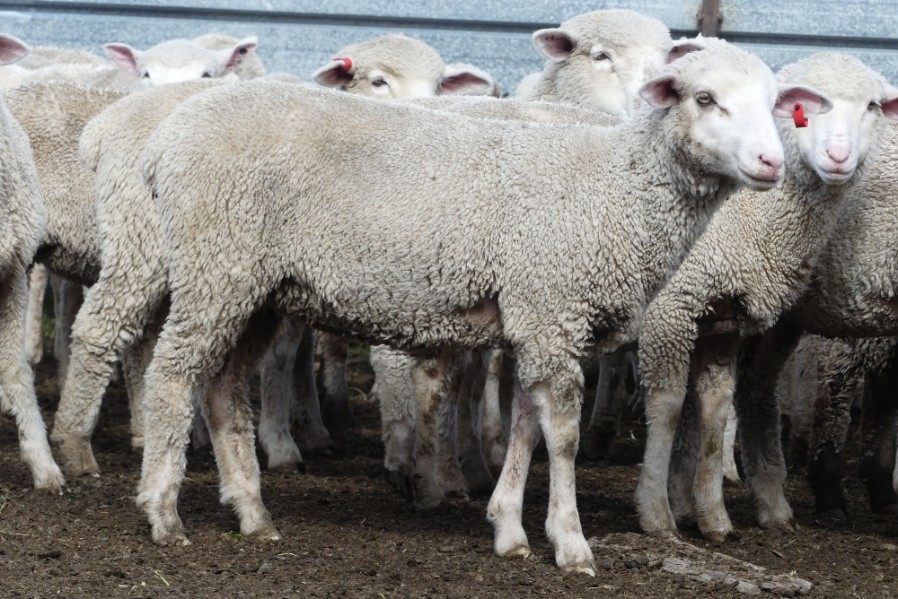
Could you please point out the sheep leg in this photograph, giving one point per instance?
(68, 296)
(506, 505)
(335, 403)
(313, 434)
(493, 431)
(473, 464)
(190, 349)
(105, 327)
(277, 397)
(134, 366)
(878, 461)
(761, 359)
(714, 371)
(34, 318)
(229, 418)
(663, 408)
(730, 471)
(605, 422)
(398, 416)
(684, 458)
(428, 385)
(17, 385)
(559, 403)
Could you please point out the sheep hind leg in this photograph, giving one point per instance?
(494, 445)
(684, 459)
(473, 464)
(313, 435)
(505, 507)
(428, 385)
(229, 418)
(17, 386)
(335, 403)
(714, 371)
(398, 416)
(68, 296)
(277, 397)
(189, 350)
(134, 366)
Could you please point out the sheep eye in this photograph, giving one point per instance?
(873, 105)
(378, 82)
(146, 75)
(207, 75)
(600, 56)
(704, 99)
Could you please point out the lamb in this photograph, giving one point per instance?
(23, 221)
(752, 263)
(598, 59)
(400, 67)
(542, 282)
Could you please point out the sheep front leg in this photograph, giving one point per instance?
(34, 319)
(17, 385)
(714, 371)
(506, 505)
(398, 416)
(277, 398)
(760, 362)
(229, 417)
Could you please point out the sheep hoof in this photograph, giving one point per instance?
(717, 537)
(833, 516)
(781, 525)
(516, 551)
(170, 538)
(402, 482)
(586, 568)
(265, 533)
(78, 457)
(49, 479)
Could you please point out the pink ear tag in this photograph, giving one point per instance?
(798, 115)
(347, 64)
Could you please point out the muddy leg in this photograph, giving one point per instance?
(493, 431)
(335, 403)
(429, 388)
(277, 398)
(68, 296)
(761, 359)
(398, 416)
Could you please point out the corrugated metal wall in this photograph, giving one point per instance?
(298, 36)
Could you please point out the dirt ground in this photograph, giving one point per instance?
(346, 534)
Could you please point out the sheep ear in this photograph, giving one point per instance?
(124, 56)
(231, 57)
(463, 79)
(336, 73)
(813, 101)
(554, 44)
(682, 48)
(661, 92)
(889, 103)
(12, 49)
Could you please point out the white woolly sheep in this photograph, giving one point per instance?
(592, 220)
(598, 60)
(22, 220)
(751, 264)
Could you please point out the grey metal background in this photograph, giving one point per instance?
(298, 36)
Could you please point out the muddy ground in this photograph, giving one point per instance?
(346, 534)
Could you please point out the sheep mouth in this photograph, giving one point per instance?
(763, 181)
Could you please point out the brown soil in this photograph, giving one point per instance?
(346, 534)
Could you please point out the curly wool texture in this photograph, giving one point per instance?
(629, 36)
(506, 244)
(759, 251)
(53, 115)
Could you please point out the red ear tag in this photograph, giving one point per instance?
(347, 64)
(798, 115)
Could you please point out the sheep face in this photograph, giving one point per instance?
(724, 112)
(605, 56)
(400, 68)
(175, 61)
(834, 144)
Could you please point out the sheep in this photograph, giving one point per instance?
(177, 60)
(399, 67)
(512, 245)
(23, 220)
(598, 59)
(54, 115)
(751, 264)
